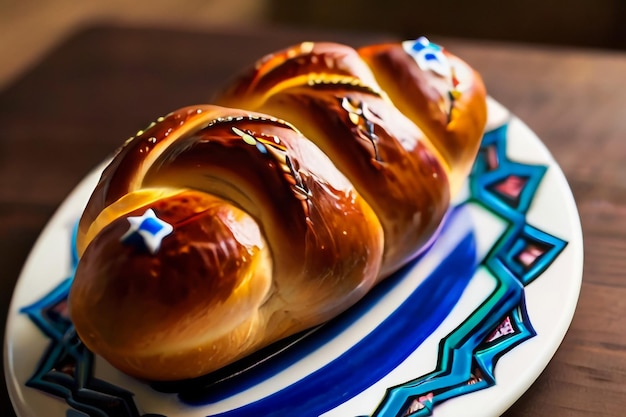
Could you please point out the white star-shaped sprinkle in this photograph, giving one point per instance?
(150, 228)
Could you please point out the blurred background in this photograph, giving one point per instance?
(30, 27)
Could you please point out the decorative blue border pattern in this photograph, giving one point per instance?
(467, 356)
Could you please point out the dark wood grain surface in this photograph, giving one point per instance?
(64, 116)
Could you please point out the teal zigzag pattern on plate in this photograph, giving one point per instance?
(468, 355)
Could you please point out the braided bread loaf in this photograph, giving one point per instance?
(217, 231)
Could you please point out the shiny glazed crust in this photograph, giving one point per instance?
(450, 108)
(404, 134)
(263, 235)
(268, 238)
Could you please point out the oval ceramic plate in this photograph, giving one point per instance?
(463, 330)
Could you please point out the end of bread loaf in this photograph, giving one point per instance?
(213, 271)
(440, 92)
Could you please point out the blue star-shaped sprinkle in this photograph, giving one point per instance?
(149, 228)
(429, 56)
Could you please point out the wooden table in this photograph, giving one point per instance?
(65, 115)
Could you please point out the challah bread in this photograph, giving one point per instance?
(404, 168)
(217, 231)
(268, 238)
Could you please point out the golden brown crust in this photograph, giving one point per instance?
(316, 250)
(405, 158)
(260, 235)
(129, 305)
(382, 153)
(296, 65)
(450, 109)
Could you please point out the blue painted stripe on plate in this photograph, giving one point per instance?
(380, 351)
